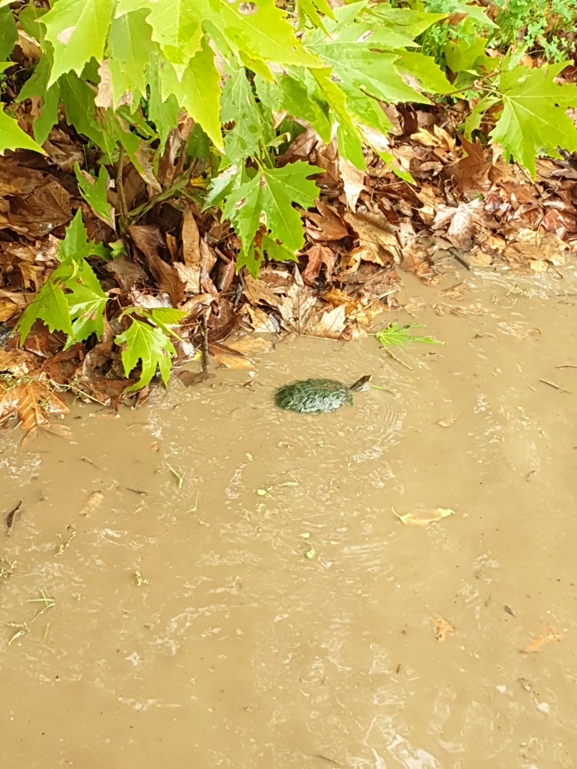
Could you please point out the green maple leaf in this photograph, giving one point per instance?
(239, 107)
(197, 91)
(263, 34)
(49, 305)
(131, 46)
(299, 94)
(358, 65)
(77, 30)
(425, 70)
(406, 22)
(147, 344)
(162, 113)
(72, 299)
(268, 199)
(94, 192)
(78, 98)
(37, 85)
(75, 245)
(534, 120)
(8, 33)
(312, 9)
(176, 26)
(13, 137)
(86, 303)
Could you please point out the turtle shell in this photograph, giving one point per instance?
(313, 396)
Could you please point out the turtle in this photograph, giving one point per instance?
(318, 396)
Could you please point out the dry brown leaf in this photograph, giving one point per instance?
(250, 345)
(18, 362)
(443, 629)
(105, 95)
(424, 137)
(261, 322)
(8, 309)
(296, 307)
(538, 643)
(330, 324)
(149, 239)
(191, 249)
(424, 517)
(258, 292)
(229, 358)
(317, 256)
(32, 401)
(190, 277)
(471, 172)
(447, 309)
(378, 241)
(329, 224)
(37, 214)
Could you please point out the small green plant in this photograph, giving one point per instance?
(540, 26)
(72, 301)
(398, 336)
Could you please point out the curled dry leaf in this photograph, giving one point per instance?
(443, 629)
(538, 643)
(425, 516)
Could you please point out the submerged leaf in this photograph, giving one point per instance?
(425, 516)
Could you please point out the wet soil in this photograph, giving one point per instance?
(210, 582)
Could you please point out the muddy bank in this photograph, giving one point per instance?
(238, 591)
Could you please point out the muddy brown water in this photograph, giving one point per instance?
(270, 609)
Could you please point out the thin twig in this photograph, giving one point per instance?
(205, 354)
(120, 189)
(555, 386)
(398, 360)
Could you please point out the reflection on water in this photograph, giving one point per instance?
(272, 611)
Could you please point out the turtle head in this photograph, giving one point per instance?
(361, 384)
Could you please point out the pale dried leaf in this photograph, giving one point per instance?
(258, 292)
(538, 643)
(448, 421)
(443, 629)
(191, 241)
(92, 503)
(425, 516)
(261, 322)
(330, 324)
(18, 362)
(250, 345)
(353, 181)
(229, 359)
(378, 241)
